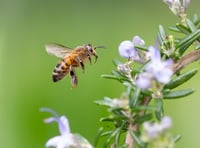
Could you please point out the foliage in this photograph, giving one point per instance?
(150, 75)
(156, 76)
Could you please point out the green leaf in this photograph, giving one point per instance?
(105, 102)
(110, 119)
(197, 46)
(190, 24)
(195, 19)
(98, 135)
(181, 79)
(116, 62)
(162, 33)
(198, 24)
(116, 140)
(106, 133)
(135, 97)
(141, 119)
(178, 94)
(175, 29)
(121, 79)
(137, 139)
(117, 136)
(176, 138)
(112, 136)
(141, 47)
(143, 108)
(187, 41)
(117, 73)
(182, 28)
(159, 111)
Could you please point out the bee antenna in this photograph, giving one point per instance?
(99, 47)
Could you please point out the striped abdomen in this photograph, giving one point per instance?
(61, 70)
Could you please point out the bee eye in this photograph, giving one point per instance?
(89, 48)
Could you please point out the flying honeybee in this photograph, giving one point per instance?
(70, 59)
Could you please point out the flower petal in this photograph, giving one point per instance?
(144, 81)
(166, 122)
(164, 75)
(61, 141)
(154, 54)
(126, 49)
(49, 120)
(53, 141)
(160, 70)
(138, 41)
(63, 125)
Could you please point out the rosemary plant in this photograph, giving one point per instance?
(150, 75)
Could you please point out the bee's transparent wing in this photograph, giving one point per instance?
(57, 50)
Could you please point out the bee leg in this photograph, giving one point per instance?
(90, 59)
(82, 66)
(96, 57)
(74, 78)
(81, 63)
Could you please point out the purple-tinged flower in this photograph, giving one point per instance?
(169, 2)
(138, 41)
(166, 123)
(186, 3)
(176, 7)
(124, 68)
(143, 80)
(66, 139)
(158, 134)
(153, 130)
(127, 49)
(160, 69)
(153, 54)
(155, 69)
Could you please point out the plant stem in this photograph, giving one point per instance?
(186, 60)
(129, 139)
(135, 127)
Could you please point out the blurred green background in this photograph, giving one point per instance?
(25, 77)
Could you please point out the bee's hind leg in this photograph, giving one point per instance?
(74, 78)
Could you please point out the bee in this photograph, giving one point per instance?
(70, 59)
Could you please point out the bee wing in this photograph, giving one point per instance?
(57, 50)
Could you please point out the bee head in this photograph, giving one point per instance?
(91, 51)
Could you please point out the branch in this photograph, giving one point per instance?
(186, 60)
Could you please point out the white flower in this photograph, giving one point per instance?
(176, 6)
(66, 139)
(143, 80)
(153, 130)
(138, 41)
(160, 69)
(127, 49)
(155, 69)
(158, 134)
(166, 123)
